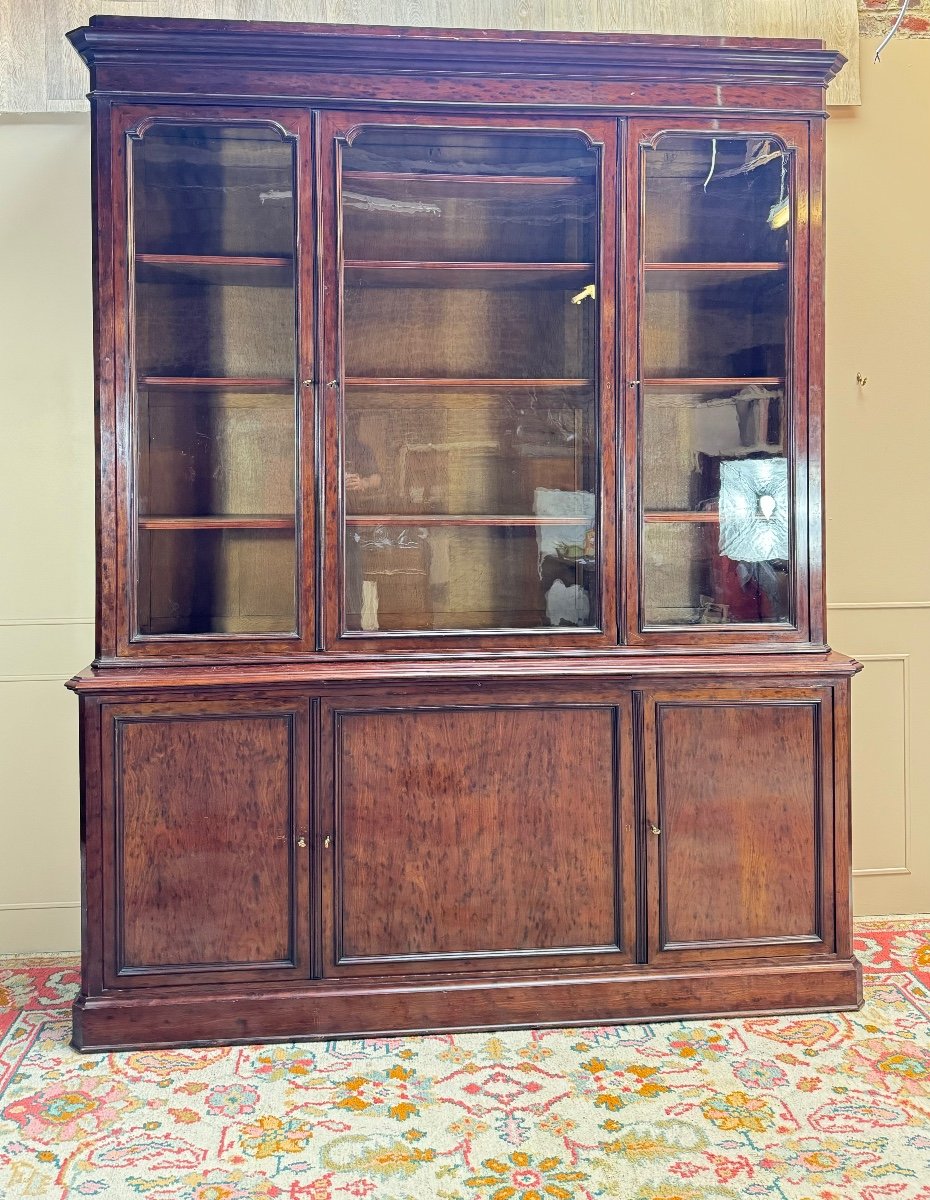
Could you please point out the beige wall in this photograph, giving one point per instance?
(878, 437)
(46, 519)
(878, 503)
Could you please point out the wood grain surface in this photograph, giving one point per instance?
(207, 810)
(737, 787)
(177, 1016)
(506, 840)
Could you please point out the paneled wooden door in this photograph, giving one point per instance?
(739, 820)
(206, 858)
(462, 836)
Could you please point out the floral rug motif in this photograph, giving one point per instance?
(825, 1107)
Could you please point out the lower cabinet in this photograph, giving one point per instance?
(374, 861)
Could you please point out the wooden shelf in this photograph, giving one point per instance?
(450, 384)
(753, 267)
(669, 276)
(202, 383)
(697, 383)
(390, 274)
(216, 260)
(461, 519)
(242, 269)
(681, 518)
(224, 522)
(442, 185)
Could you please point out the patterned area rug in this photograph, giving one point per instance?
(832, 1107)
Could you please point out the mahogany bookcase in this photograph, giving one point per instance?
(461, 658)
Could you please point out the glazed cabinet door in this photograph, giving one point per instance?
(469, 271)
(205, 856)
(464, 835)
(739, 822)
(213, 293)
(719, 383)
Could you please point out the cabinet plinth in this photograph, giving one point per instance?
(460, 580)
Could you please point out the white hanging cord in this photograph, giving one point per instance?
(893, 30)
(713, 163)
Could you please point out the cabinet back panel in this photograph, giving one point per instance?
(467, 577)
(732, 329)
(205, 454)
(216, 581)
(192, 329)
(213, 189)
(710, 198)
(471, 452)
(524, 225)
(686, 435)
(687, 581)
(476, 832)
(466, 332)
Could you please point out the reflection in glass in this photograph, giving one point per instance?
(469, 409)
(754, 510)
(715, 465)
(435, 576)
(215, 380)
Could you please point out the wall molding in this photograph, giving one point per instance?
(20, 622)
(44, 649)
(904, 659)
(56, 678)
(870, 604)
(48, 927)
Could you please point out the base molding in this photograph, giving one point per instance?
(171, 1017)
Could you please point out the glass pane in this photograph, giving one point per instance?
(215, 580)
(714, 420)
(469, 335)
(215, 380)
(444, 577)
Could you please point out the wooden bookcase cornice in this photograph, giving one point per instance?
(395, 50)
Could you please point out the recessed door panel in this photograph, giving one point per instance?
(739, 804)
(209, 810)
(465, 837)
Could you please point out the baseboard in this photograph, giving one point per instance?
(40, 928)
(165, 1017)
